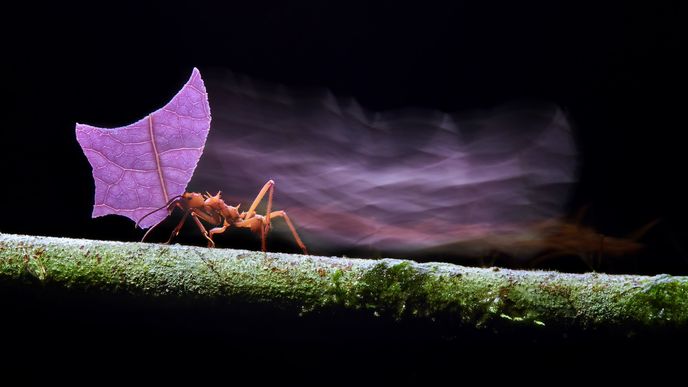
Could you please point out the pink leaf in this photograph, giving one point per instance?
(139, 167)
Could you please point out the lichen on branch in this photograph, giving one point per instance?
(462, 297)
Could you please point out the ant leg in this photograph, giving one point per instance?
(262, 238)
(218, 230)
(269, 209)
(148, 232)
(257, 225)
(268, 188)
(252, 210)
(176, 230)
(170, 208)
(203, 230)
(266, 219)
(282, 214)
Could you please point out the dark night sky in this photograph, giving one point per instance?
(618, 70)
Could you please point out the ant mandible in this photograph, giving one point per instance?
(214, 211)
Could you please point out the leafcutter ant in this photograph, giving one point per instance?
(214, 211)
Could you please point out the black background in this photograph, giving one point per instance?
(617, 68)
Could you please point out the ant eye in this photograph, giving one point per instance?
(188, 198)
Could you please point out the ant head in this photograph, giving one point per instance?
(193, 199)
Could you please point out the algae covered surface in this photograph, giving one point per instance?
(397, 290)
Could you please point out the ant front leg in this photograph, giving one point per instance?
(202, 228)
(176, 230)
(174, 202)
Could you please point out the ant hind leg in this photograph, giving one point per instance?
(282, 214)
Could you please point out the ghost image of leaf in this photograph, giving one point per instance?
(139, 167)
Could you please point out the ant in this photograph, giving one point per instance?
(214, 211)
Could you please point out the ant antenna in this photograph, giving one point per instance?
(156, 210)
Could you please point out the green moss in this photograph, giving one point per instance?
(391, 289)
(402, 290)
(656, 302)
(396, 289)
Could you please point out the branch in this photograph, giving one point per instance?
(462, 297)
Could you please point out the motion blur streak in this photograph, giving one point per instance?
(394, 180)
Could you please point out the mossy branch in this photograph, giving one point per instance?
(404, 290)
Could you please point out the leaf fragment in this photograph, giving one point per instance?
(138, 168)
